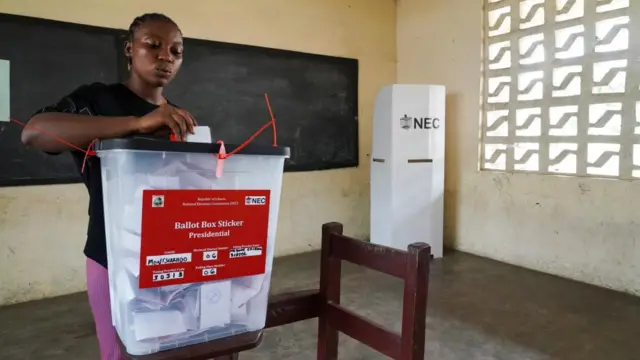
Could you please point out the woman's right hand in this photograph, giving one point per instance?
(179, 121)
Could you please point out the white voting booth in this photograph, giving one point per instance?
(407, 169)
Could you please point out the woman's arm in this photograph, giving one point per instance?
(73, 119)
(77, 129)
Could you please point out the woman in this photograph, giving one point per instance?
(100, 111)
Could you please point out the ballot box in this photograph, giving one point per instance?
(190, 239)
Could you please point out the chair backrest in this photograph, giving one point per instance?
(412, 266)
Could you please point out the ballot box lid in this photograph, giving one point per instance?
(147, 144)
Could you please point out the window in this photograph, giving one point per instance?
(561, 87)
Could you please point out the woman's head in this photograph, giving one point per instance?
(154, 49)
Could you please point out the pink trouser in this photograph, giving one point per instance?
(98, 290)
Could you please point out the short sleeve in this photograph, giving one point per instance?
(80, 101)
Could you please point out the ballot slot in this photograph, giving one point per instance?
(172, 308)
(419, 161)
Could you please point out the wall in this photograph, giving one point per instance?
(584, 229)
(42, 229)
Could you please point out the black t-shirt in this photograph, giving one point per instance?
(98, 99)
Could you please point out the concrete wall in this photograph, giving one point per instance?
(42, 228)
(584, 229)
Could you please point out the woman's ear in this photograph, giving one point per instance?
(127, 49)
(127, 53)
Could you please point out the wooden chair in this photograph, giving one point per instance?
(412, 266)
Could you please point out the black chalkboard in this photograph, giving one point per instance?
(314, 97)
(47, 60)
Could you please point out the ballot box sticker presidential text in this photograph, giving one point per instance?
(188, 236)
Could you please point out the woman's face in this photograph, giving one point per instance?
(156, 52)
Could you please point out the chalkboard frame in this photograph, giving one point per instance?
(119, 36)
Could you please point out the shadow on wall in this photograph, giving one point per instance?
(451, 171)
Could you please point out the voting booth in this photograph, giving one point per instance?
(190, 239)
(407, 169)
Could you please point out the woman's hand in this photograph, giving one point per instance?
(179, 121)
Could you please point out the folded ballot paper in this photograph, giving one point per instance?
(175, 312)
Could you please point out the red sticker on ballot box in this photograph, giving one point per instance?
(193, 236)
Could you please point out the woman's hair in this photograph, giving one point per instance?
(137, 22)
(148, 17)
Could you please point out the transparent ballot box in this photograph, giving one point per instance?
(190, 239)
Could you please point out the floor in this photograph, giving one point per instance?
(478, 309)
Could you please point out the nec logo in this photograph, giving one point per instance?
(424, 123)
(255, 200)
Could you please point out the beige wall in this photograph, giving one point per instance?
(585, 229)
(42, 228)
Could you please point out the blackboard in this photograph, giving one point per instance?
(314, 97)
(47, 60)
